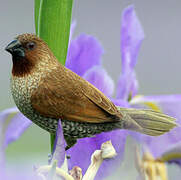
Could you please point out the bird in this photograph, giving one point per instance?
(46, 91)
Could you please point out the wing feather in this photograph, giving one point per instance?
(64, 94)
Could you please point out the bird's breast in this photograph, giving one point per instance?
(22, 88)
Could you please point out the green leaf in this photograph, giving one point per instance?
(52, 22)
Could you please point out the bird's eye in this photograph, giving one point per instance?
(30, 45)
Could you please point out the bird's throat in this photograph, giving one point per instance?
(21, 67)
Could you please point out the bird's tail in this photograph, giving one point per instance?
(147, 121)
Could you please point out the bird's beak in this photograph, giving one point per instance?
(15, 48)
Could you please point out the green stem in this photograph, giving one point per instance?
(39, 17)
(52, 140)
(52, 24)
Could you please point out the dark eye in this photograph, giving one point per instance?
(30, 45)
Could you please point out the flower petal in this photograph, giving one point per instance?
(172, 154)
(88, 145)
(84, 53)
(127, 86)
(132, 35)
(12, 125)
(100, 79)
(19, 123)
(72, 28)
(59, 146)
(4, 114)
(175, 161)
(121, 103)
(168, 104)
(131, 38)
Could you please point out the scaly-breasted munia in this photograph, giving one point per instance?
(45, 91)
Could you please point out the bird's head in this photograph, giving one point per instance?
(27, 51)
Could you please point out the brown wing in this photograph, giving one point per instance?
(100, 100)
(63, 94)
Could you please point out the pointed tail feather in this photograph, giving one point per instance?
(147, 121)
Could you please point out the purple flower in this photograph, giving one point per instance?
(128, 86)
(12, 125)
(84, 53)
(132, 36)
(86, 47)
(59, 147)
(172, 154)
(149, 166)
(169, 104)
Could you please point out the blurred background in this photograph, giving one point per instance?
(159, 61)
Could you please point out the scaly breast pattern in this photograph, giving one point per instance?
(22, 88)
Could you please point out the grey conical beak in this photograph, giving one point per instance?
(15, 48)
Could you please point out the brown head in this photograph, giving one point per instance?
(27, 50)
